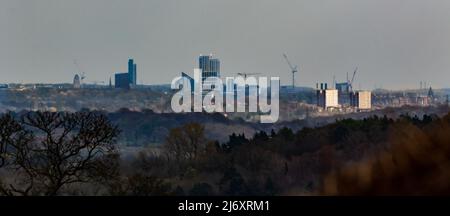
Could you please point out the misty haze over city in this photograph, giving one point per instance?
(395, 43)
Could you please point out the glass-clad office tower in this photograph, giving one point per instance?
(210, 66)
(132, 72)
(126, 80)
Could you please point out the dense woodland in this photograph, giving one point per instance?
(49, 153)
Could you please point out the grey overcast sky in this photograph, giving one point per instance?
(395, 43)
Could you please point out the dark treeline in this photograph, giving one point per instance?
(43, 153)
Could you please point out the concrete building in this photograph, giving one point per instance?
(327, 98)
(362, 100)
(331, 98)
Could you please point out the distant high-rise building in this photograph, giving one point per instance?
(122, 80)
(132, 72)
(362, 100)
(331, 98)
(76, 81)
(343, 93)
(210, 68)
(128, 79)
(327, 98)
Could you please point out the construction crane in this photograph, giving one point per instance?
(350, 82)
(247, 74)
(293, 69)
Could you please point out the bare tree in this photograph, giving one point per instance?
(11, 134)
(60, 149)
(186, 142)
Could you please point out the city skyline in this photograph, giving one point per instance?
(395, 44)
